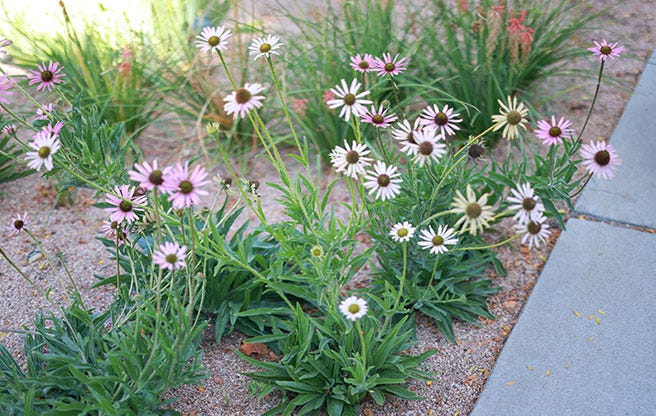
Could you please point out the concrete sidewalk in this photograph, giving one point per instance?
(585, 343)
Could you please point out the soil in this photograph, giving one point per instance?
(460, 369)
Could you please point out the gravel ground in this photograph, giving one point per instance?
(461, 369)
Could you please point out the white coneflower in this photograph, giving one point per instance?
(383, 180)
(349, 99)
(475, 213)
(534, 232)
(353, 308)
(525, 202)
(405, 135)
(402, 232)
(512, 117)
(265, 46)
(213, 39)
(243, 100)
(351, 160)
(428, 146)
(45, 146)
(437, 242)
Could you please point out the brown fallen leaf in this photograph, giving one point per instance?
(256, 350)
(368, 412)
(511, 383)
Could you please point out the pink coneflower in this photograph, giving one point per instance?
(43, 112)
(47, 76)
(364, 63)
(379, 118)
(525, 202)
(265, 46)
(184, 187)
(388, 66)
(445, 120)
(534, 232)
(5, 86)
(600, 159)
(18, 222)
(351, 160)
(213, 39)
(170, 256)
(554, 132)
(405, 135)
(437, 242)
(243, 100)
(149, 177)
(604, 49)
(383, 181)
(348, 98)
(124, 204)
(45, 146)
(428, 146)
(114, 231)
(9, 129)
(53, 131)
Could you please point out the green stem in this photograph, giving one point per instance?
(594, 100)
(363, 346)
(506, 241)
(582, 186)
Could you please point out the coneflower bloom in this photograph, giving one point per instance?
(353, 308)
(437, 242)
(5, 86)
(445, 120)
(364, 63)
(18, 222)
(535, 232)
(383, 180)
(605, 50)
(525, 202)
(265, 46)
(45, 146)
(170, 256)
(183, 186)
(390, 66)
(349, 99)
(115, 231)
(46, 76)
(53, 131)
(512, 117)
(243, 100)
(402, 232)
(124, 204)
(379, 118)
(43, 112)
(476, 214)
(405, 135)
(428, 146)
(600, 159)
(213, 39)
(553, 132)
(9, 129)
(149, 177)
(351, 160)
